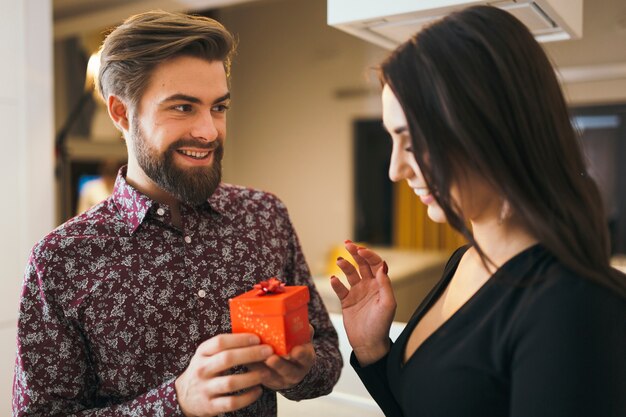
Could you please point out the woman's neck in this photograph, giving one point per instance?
(500, 241)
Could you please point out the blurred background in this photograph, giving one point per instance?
(304, 124)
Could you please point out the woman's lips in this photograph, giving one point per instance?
(427, 199)
(424, 194)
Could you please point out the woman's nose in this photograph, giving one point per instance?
(399, 169)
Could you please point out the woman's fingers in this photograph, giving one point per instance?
(372, 258)
(364, 267)
(349, 270)
(339, 288)
(386, 291)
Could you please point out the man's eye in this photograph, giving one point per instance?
(185, 108)
(220, 108)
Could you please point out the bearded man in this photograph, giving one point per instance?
(124, 308)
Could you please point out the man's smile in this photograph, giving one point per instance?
(194, 154)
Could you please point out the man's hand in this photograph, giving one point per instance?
(284, 372)
(203, 390)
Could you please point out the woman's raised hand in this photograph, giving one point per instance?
(368, 306)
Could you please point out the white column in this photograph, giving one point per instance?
(26, 157)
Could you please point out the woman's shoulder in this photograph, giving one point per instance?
(548, 277)
(552, 296)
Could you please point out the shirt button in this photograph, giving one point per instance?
(201, 293)
(187, 239)
(160, 212)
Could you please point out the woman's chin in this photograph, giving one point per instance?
(436, 214)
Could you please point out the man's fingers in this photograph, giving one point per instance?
(227, 359)
(227, 341)
(303, 354)
(258, 367)
(300, 357)
(281, 365)
(226, 384)
(235, 402)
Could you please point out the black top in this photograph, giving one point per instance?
(535, 340)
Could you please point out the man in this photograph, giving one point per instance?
(124, 309)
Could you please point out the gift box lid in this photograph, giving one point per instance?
(281, 303)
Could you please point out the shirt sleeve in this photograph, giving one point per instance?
(374, 377)
(328, 363)
(570, 356)
(53, 376)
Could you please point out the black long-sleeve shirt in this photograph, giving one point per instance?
(535, 340)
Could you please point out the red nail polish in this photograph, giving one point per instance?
(385, 268)
(361, 247)
(347, 241)
(340, 258)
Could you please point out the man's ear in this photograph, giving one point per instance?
(118, 111)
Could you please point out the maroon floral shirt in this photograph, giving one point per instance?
(115, 302)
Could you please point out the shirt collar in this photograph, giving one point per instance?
(219, 200)
(134, 207)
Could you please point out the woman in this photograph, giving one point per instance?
(528, 319)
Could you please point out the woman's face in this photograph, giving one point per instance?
(476, 199)
(403, 165)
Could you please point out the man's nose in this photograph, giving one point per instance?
(204, 127)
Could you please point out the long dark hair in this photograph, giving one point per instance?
(480, 95)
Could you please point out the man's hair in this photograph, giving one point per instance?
(132, 51)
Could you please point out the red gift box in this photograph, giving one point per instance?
(280, 319)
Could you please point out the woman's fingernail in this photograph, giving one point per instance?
(385, 268)
(333, 276)
(339, 258)
(347, 241)
(361, 247)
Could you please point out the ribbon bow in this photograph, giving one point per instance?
(271, 286)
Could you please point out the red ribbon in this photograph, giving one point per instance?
(271, 286)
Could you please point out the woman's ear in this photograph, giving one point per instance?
(118, 111)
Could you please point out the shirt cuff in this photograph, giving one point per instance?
(377, 369)
(167, 393)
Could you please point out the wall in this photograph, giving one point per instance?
(600, 49)
(26, 166)
(288, 131)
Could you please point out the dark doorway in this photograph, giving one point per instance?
(373, 189)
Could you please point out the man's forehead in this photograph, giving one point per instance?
(188, 76)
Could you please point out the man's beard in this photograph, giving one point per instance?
(192, 185)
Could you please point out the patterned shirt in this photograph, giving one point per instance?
(116, 301)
